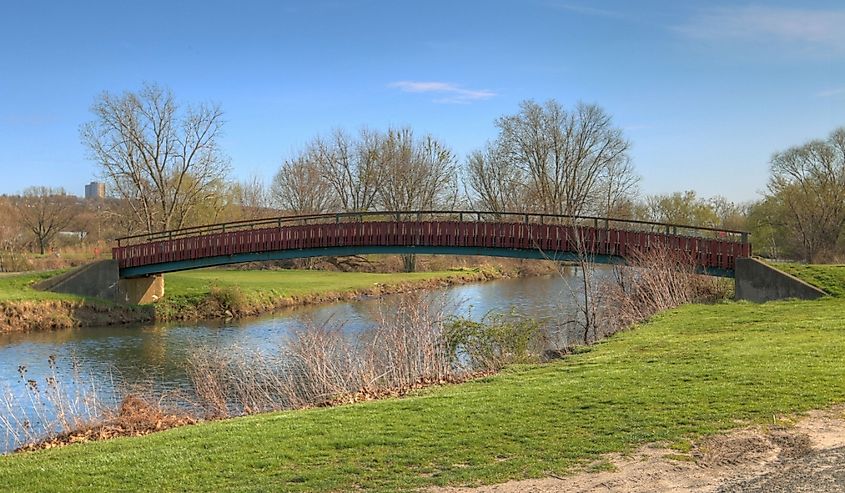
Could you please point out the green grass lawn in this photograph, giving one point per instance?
(286, 282)
(692, 371)
(828, 278)
(18, 287)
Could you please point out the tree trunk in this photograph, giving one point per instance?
(409, 262)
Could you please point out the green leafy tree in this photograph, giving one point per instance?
(807, 188)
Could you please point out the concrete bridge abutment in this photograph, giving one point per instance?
(142, 290)
(760, 282)
(102, 280)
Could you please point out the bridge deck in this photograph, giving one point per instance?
(532, 240)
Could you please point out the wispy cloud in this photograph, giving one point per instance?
(804, 29)
(28, 119)
(829, 93)
(446, 92)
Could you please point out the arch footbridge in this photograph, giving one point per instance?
(533, 236)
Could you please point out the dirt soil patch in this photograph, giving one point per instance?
(807, 456)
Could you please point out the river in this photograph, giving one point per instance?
(153, 356)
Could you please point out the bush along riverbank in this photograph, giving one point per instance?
(219, 294)
(688, 372)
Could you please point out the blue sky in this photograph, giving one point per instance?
(705, 91)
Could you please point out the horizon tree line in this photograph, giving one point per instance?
(165, 165)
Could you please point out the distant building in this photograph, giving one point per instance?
(95, 191)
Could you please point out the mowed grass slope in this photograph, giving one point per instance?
(287, 282)
(692, 371)
(828, 278)
(18, 287)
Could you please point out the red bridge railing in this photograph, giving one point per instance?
(710, 247)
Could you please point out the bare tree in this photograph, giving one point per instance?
(587, 298)
(569, 160)
(163, 162)
(809, 183)
(619, 186)
(251, 198)
(45, 212)
(10, 227)
(419, 174)
(352, 167)
(299, 186)
(497, 185)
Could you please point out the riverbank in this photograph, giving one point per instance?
(212, 294)
(23, 308)
(689, 373)
(216, 294)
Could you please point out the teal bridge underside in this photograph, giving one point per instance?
(533, 254)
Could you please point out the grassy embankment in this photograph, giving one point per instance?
(828, 278)
(23, 308)
(18, 287)
(693, 371)
(210, 293)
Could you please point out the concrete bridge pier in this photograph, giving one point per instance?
(142, 290)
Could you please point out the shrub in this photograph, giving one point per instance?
(231, 298)
(654, 281)
(495, 341)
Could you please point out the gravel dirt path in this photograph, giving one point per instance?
(806, 457)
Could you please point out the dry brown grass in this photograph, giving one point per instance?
(136, 416)
(321, 364)
(654, 281)
(70, 407)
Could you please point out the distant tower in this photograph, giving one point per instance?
(95, 191)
